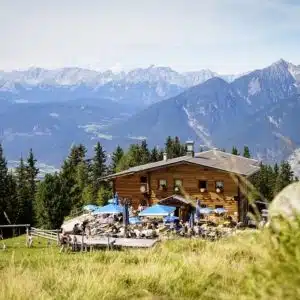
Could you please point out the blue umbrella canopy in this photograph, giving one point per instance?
(220, 210)
(90, 207)
(109, 209)
(205, 211)
(170, 219)
(158, 210)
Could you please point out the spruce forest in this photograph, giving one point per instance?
(26, 199)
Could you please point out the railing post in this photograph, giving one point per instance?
(82, 241)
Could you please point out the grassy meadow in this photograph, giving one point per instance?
(251, 265)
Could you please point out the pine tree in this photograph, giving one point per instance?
(31, 176)
(3, 186)
(103, 196)
(115, 159)
(12, 209)
(88, 195)
(246, 152)
(169, 147)
(25, 215)
(68, 176)
(154, 155)
(262, 182)
(51, 202)
(285, 176)
(177, 148)
(160, 155)
(276, 170)
(98, 165)
(234, 151)
(144, 153)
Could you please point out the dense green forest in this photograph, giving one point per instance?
(45, 203)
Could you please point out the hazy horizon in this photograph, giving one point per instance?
(225, 36)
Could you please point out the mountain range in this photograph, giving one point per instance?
(139, 87)
(49, 110)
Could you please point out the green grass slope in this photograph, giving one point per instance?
(250, 265)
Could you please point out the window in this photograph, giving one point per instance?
(202, 184)
(178, 182)
(143, 179)
(162, 184)
(203, 205)
(219, 186)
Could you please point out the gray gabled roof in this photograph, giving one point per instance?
(213, 159)
(178, 198)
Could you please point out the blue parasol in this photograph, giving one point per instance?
(158, 210)
(109, 209)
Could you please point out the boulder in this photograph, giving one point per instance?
(287, 203)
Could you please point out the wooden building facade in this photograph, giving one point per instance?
(205, 176)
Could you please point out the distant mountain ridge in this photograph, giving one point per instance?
(78, 76)
(259, 108)
(254, 109)
(139, 87)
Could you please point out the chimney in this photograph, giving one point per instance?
(165, 157)
(190, 148)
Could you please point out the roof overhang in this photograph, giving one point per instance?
(184, 160)
(176, 200)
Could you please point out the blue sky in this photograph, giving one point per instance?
(226, 36)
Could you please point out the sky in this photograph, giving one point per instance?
(226, 36)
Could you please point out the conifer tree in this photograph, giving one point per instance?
(103, 196)
(25, 214)
(115, 159)
(51, 202)
(69, 177)
(31, 176)
(169, 147)
(3, 186)
(178, 149)
(144, 153)
(234, 151)
(98, 163)
(12, 209)
(285, 176)
(88, 195)
(154, 155)
(246, 152)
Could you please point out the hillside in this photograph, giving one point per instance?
(225, 114)
(232, 268)
(44, 109)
